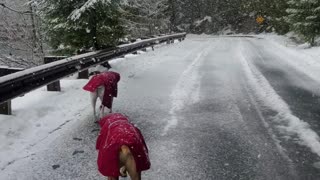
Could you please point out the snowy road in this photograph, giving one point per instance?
(209, 108)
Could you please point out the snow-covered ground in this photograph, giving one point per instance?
(37, 115)
(266, 93)
(162, 84)
(301, 56)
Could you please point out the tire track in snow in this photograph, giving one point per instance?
(277, 142)
(290, 123)
(187, 89)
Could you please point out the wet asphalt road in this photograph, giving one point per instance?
(229, 134)
(302, 95)
(223, 135)
(200, 117)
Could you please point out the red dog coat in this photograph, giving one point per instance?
(116, 131)
(110, 82)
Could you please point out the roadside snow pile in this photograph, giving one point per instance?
(290, 41)
(302, 57)
(267, 94)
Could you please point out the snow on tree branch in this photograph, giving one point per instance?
(76, 14)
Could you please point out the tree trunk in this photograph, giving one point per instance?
(34, 32)
(312, 41)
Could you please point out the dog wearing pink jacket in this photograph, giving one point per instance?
(105, 86)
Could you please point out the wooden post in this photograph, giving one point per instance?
(55, 86)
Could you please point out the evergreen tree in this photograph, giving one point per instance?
(82, 24)
(278, 16)
(145, 17)
(273, 11)
(172, 12)
(208, 16)
(304, 18)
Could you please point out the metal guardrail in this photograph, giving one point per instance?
(6, 70)
(5, 108)
(22, 82)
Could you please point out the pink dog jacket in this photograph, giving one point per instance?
(116, 131)
(110, 82)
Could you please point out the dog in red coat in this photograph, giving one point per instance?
(121, 148)
(105, 86)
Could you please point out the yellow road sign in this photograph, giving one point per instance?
(260, 19)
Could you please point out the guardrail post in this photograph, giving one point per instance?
(83, 74)
(5, 108)
(106, 65)
(55, 86)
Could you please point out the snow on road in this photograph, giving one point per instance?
(187, 89)
(155, 90)
(305, 60)
(287, 120)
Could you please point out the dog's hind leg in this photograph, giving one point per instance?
(110, 110)
(127, 160)
(101, 111)
(100, 94)
(93, 97)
